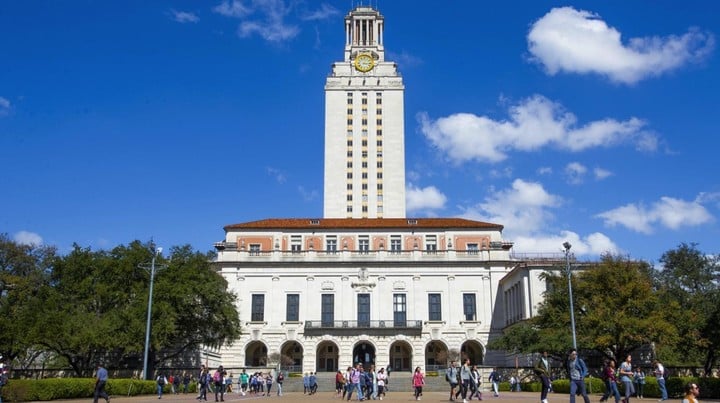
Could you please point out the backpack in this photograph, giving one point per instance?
(280, 377)
(161, 380)
(447, 376)
(204, 379)
(216, 377)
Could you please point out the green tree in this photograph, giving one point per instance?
(616, 311)
(691, 279)
(24, 269)
(97, 306)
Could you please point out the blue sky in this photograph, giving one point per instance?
(591, 122)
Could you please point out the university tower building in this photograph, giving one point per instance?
(365, 283)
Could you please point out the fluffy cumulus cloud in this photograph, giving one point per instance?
(575, 173)
(269, 18)
(578, 41)
(28, 238)
(533, 123)
(668, 212)
(183, 16)
(525, 209)
(428, 198)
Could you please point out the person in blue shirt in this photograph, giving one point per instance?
(101, 378)
(578, 371)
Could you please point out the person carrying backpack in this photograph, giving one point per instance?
(161, 381)
(494, 378)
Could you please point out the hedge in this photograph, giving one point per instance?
(19, 390)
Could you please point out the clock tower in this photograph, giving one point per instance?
(364, 126)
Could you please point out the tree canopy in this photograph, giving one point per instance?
(90, 306)
(623, 304)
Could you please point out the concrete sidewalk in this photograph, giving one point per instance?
(405, 395)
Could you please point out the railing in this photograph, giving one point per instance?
(374, 327)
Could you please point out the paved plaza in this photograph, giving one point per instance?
(328, 397)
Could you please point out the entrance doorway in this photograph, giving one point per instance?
(364, 353)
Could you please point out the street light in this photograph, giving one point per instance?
(156, 253)
(567, 247)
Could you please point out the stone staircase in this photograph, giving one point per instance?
(399, 382)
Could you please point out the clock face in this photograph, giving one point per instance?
(364, 63)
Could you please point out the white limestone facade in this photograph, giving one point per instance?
(326, 293)
(364, 126)
(364, 283)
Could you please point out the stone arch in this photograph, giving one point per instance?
(473, 350)
(401, 356)
(328, 354)
(364, 352)
(436, 355)
(291, 356)
(256, 354)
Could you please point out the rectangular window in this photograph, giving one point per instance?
(296, 243)
(469, 307)
(363, 310)
(349, 186)
(293, 308)
(349, 153)
(379, 175)
(349, 111)
(349, 143)
(364, 186)
(327, 310)
(379, 132)
(331, 244)
(395, 244)
(257, 308)
(399, 310)
(349, 209)
(364, 122)
(349, 197)
(364, 143)
(349, 121)
(349, 175)
(364, 175)
(379, 143)
(364, 164)
(434, 307)
(254, 249)
(472, 249)
(364, 243)
(379, 164)
(378, 122)
(349, 164)
(431, 244)
(349, 101)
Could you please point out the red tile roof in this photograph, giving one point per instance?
(364, 223)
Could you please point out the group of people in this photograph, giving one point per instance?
(633, 380)
(255, 384)
(466, 381)
(367, 385)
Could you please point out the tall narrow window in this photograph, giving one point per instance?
(327, 310)
(331, 244)
(472, 249)
(364, 243)
(399, 310)
(293, 308)
(395, 244)
(257, 309)
(469, 307)
(363, 310)
(434, 307)
(431, 244)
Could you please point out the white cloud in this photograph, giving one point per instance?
(545, 171)
(28, 238)
(575, 173)
(428, 198)
(183, 16)
(525, 211)
(601, 174)
(277, 174)
(594, 244)
(534, 123)
(525, 205)
(308, 195)
(578, 41)
(232, 8)
(667, 212)
(270, 23)
(4, 106)
(326, 11)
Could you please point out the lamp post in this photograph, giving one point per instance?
(156, 253)
(567, 247)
